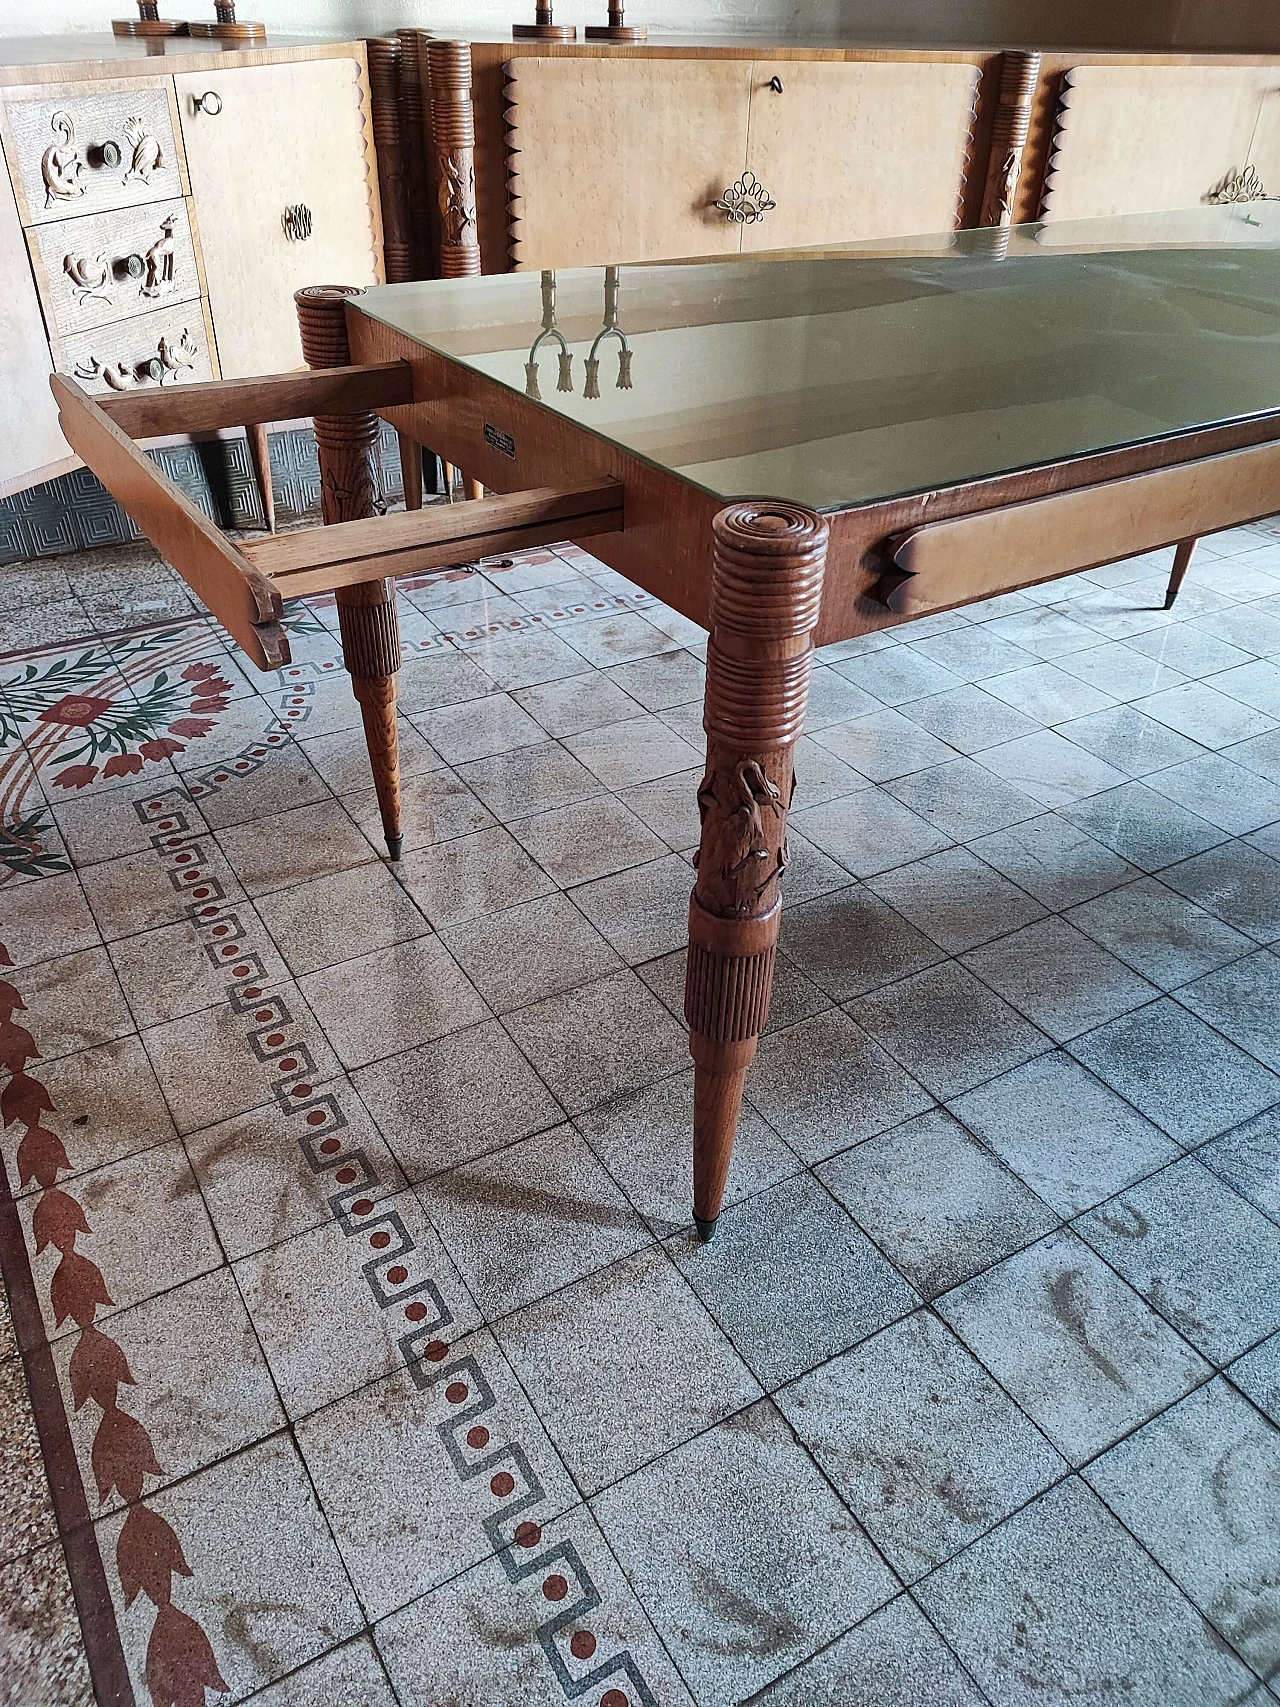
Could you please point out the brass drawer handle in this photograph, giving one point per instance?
(297, 223)
(746, 201)
(210, 102)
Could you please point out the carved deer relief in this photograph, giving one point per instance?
(159, 258)
(148, 156)
(61, 166)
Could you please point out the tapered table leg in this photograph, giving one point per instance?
(260, 456)
(367, 620)
(766, 590)
(411, 471)
(1181, 563)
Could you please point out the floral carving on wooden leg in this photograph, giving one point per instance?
(766, 591)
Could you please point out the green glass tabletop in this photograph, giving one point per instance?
(837, 377)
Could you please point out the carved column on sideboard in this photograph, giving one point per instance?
(544, 26)
(388, 134)
(367, 621)
(766, 591)
(1019, 75)
(417, 178)
(453, 140)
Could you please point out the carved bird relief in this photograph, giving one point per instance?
(740, 848)
(61, 166)
(177, 356)
(159, 280)
(116, 375)
(88, 275)
(148, 156)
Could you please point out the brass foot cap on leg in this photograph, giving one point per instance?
(394, 845)
(706, 1229)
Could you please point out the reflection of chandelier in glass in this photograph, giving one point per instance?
(609, 329)
(549, 330)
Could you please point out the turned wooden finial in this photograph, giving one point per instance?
(617, 29)
(148, 23)
(544, 28)
(227, 27)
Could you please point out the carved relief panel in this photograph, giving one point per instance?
(168, 346)
(89, 147)
(111, 266)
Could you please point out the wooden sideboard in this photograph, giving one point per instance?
(592, 152)
(159, 210)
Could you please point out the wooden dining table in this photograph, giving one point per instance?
(790, 449)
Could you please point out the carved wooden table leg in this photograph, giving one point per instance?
(766, 589)
(367, 618)
(411, 471)
(1181, 563)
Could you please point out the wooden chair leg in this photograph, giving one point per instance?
(766, 590)
(1181, 563)
(450, 473)
(367, 619)
(474, 488)
(260, 457)
(411, 471)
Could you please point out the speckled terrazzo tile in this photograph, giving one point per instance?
(45, 918)
(400, 1470)
(639, 750)
(266, 1582)
(968, 719)
(138, 891)
(1062, 1131)
(1054, 860)
(42, 1659)
(479, 728)
(172, 970)
(200, 1386)
(1200, 1488)
(1248, 1159)
(643, 911)
(518, 1627)
(1240, 1001)
(290, 847)
(1237, 883)
(894, 1656)
(791, 1279)
(148, 1231)
(599, 1040)
(72, 1003)
(273, 1172)
(456, 1097)
(378, 1287)
(535, 950)
(852, 941)
(868, 832)
(955, 899)
(469, 876)
(651, 1368)
(897, 675)
(1061, 979)
(938, 1204)
(643, 1140)
(435, 805)
(963, 799)
(587, 839)
(669, 806)
(1076, 1347)
(926, 1449)
(824, 1084)
(104, 825)
(1204, 1258)
(1182, 1075)
(1060, 1604)
(1257, 1374)
(710, 1533)
(393, 999)
(571, 704)
(1161, 934)
(530, 1218)
(349, 1674)
(26, 1508)
(339, 916)
(954, 1031)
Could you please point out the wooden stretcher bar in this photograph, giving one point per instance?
(214, 404)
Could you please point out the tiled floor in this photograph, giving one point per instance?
(348, 1251)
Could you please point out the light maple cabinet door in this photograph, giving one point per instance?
(856, 150)
(623, 159)
(286, 136)
(30, 436)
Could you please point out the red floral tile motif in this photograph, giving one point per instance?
(181, 1666)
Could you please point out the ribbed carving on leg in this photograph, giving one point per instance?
(767, 576)
(370, 638)
(756, 703)
(322, 321)
(726, 998)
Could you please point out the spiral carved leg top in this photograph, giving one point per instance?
(367, 619)
(766, 590)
